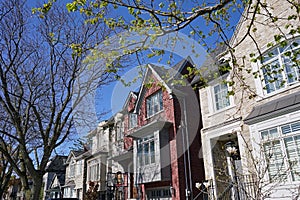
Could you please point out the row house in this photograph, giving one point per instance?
(160, 149)
(54, 178)
(151, 149)
(120, 184)
(75, 174)
(96, 162)
(252, 138)
(167, 134)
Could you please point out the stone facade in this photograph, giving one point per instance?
(228, 124)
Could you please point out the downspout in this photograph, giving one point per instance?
(184, 167)
(187, 145)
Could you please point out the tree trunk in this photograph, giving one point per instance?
(25, 187)
(4, 183)
(37, 187)
(1, 193)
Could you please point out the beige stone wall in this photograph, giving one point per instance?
(243, 105)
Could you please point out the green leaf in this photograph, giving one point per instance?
(277, 37)
(230, 93)
(72, 7)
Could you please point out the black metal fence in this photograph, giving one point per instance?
(240, 188)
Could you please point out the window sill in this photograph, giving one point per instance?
(221, 110)
(157, 113)
(277, 92)
(147, 166)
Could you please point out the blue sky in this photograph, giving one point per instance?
(112, 97)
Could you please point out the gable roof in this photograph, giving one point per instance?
(60, 178)
(210, 69)
(76, 154)
(131, 94)
(163, 75)
(56, 164)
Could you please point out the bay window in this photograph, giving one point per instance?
(94, 170)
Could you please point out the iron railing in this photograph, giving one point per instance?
(243, 187)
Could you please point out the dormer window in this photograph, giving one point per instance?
(154, 103)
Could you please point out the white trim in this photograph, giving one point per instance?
(211, 96)
(207, 139)
(279, 58)
(256, 144)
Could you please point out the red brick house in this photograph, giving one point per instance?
(161, 127)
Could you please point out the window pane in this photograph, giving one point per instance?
(273, 133)
(280, 66)
(149, 108)
(152, 152)
(273, 76)
(292, 144)
(140, 154)
(132, 120)
(290, 70)
(160, 100)
(269, 55)
(154, 103)
(146, 153)
(286, 129)
(274, 159)
(221, 97)
(265, 135)
(295, 126)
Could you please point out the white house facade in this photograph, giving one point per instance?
(74, 179)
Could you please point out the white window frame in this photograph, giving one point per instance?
(79, 167)
(224, 97)
(72, 169)
(154, 103)
(146, 151)
(132, 120)
(119, 131)
(280, 138)
(276, 54)
(94, 170)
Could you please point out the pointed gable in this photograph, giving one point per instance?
(130, 101)
(163, 77)
(56, 164)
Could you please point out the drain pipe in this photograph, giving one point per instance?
(187, 147)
